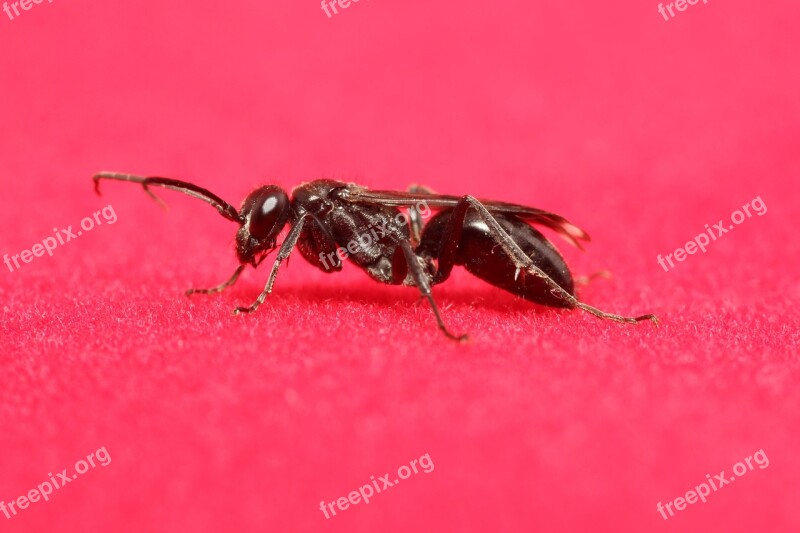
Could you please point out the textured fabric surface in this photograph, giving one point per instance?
(639, 129)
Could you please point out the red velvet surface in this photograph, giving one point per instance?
(640, 130)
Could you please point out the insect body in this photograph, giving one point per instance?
(331, 221)
(480, 254)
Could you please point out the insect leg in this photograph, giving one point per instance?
(224, 208)
(413, 213)
(221, 287)
(522, 261)
(283, 253)
(423, 284)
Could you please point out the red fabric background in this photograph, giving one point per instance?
(639, 130)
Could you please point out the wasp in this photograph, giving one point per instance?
(328, 222)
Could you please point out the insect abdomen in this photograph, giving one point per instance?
(482, 256)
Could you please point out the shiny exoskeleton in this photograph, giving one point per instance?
(382, 233)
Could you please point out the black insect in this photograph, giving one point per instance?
(330, 221)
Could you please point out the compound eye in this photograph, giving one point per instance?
(269, 209)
